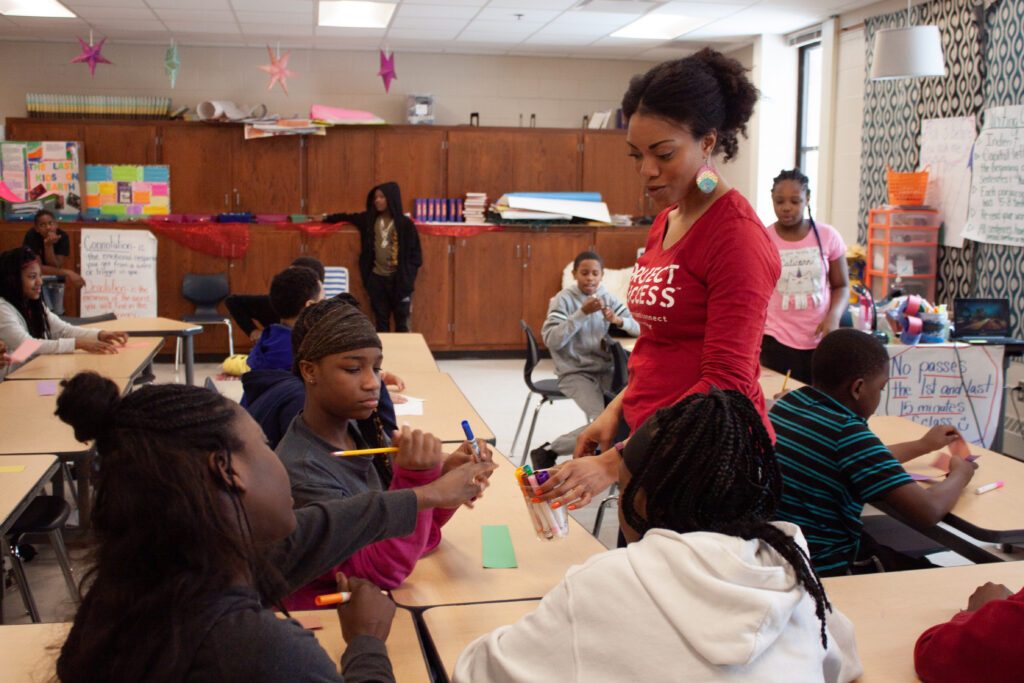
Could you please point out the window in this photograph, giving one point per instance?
(808, 124)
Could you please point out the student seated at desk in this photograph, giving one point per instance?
(339, 362)
(196, 536)
(23, 315)
(276, 396)
(981, 643)
(708, 589)
(574, 332)
(251, 312)
(52, 246)
(833, 464)
(291, 290)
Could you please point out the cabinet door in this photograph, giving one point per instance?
(270, 252)
(432, 300)
(618, 246)
(127, 143)
(33, 129)
(199, 156)
(266, 174)
(488, 290)
(546, 257)
(607, 169)
(413, 157)
(339, 169)
(500, 161)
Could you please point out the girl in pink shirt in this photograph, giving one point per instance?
(814, 289)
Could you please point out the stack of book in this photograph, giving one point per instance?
(474, 207)
(97, 106)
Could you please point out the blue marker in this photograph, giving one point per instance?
(472, 440)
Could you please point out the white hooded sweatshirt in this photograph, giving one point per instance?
(671, 607)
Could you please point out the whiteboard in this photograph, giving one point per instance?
(996, 212)
(927, 384)
(119, 268)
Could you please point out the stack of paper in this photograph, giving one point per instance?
(275, 127)
(548, 206)
(411, 406)
(474, 207)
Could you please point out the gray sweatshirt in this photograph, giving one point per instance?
(14, 330)
(574, 337)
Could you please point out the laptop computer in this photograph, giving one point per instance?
(982, 321)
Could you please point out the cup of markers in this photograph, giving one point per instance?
(549, 524)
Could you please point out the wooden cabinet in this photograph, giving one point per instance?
(44, 129)
(265, 174)
(432, 300)
(608, 170)
(547, 254)
(618, 246)
(124, 143)
(339, 169)
(200, 165)
(413, 157)
(270, 252)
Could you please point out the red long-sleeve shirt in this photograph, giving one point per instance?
(701, 305)
(975, 646)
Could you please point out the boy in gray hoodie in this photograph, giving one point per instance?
(574, 332)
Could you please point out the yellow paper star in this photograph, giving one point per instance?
(278, 70)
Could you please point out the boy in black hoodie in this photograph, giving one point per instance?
(390, 255)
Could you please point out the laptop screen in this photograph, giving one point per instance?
(981, 318)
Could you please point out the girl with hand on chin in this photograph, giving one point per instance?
(702, 286)
(814, 288)
(23, 315)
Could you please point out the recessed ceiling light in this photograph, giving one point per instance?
(355, 13)
(34, 8)
(660, 27)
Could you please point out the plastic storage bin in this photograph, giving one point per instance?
(902, 251)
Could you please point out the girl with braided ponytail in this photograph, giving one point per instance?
(338, 357)
(195, 535)
(707, 589)
(814, 289)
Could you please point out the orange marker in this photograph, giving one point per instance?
(332, 599)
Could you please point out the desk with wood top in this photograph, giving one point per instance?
(27, 476)
(125, 363)
(444, 407)
(454, 572)
(407, 353)
(890, 611)
(453, 627)
(159, 327)
(771, 383)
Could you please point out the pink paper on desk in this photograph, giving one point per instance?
(7, 195)
(25, 350)
(46, 387)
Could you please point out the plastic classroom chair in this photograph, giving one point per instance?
(547, 389)
(206, 292)
(45, 514)
(620, 377)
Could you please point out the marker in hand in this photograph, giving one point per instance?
(472, 440)
(332, 598)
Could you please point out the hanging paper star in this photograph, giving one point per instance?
(172, 63)
(278, 70)
(91, 55)
(387, 69)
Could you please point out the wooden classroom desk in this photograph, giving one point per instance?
(407, 353)
(444, 407)
(125, 363)
(771, 383)
(29, 651)
(454, 572)
(994, 517)
(159, 327)
(890, 611)
(453, 627)
(17, 489)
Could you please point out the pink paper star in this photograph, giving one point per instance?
(387, 70)
(278, 70)
(91, 55)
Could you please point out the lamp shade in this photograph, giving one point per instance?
(909, 52)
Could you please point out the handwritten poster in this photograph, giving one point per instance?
(119, 267)
(935, 384)
(946, 149)
(996, 211)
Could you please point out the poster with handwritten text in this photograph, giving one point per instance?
(996, 208)
(119, 268)
(946, 150)
(934, 384)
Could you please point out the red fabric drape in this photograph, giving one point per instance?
(224, 240)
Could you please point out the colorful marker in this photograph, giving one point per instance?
(472, 440)
(989, 487)
(332, 598)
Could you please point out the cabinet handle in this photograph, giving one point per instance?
(529, 250)
(517, 251)
(227, 202)
(238, 199)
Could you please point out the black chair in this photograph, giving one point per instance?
(620, 377)
(206, 292)
(547, 389)
(45, 514)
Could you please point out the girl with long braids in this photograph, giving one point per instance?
(814, 289)
(23, 315)
(338, 357)
(708, 588)
(195, 535)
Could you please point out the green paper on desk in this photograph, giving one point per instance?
(21, 468)
(497, 547)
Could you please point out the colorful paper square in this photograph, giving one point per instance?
(108, 189)
(158, 189)
(155, 210)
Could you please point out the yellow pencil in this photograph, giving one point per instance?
(785, 381)
(367, 451)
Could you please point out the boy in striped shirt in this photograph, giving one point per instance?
(832, 464)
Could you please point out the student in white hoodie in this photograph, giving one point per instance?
(712, 591)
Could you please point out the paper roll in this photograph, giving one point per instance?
(914, 305)
(914, 325)
(216, 109)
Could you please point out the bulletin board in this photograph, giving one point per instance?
(127, 192)
(35, 169)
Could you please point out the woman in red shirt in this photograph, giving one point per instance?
(700, 291)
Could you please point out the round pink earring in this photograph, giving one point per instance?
(707, 179)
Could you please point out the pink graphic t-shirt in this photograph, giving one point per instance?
(802, 296)
(701, 306)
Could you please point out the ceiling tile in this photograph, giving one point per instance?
(202, 28)
(508, 14)
(286, 18)
(339, 32)
(550, 39)
(405, 11)
(98, 13)
(277, 30)
(603, 19)
(189, 4)
(196, 17)
(466, 3)
(534, 4)
(273, 5)
(436, 34)
(426, 25)
(495, 37)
